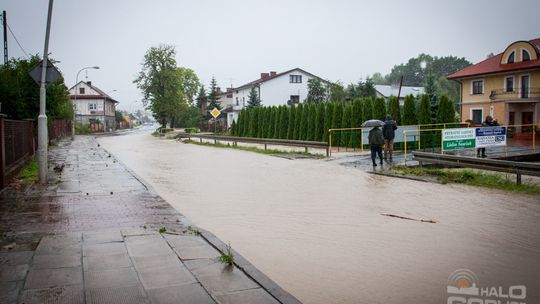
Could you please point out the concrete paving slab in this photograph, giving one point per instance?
(184, 241)
(258, 296)
(227, 281)
(15, 258)
(184, 294)
(44, 278)
(73, 294)
(165, 276)
(105, 262)
(44, 261)
(143, 262)
(57, 249)
(119, 277)
(71, 186)
(9, 291)
(199, 252)
(13, 273)
(102, 237)
(149, 249)
(141, 239)
(116, 295)
(104, 249)
(137, 231)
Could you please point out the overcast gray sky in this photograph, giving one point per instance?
(236, 40)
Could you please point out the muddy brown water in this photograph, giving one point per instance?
(316, 228)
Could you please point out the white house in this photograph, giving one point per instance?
(93, 106)
(386, 91)
(289, 87)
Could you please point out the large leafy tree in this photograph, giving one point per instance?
(336, 91)
(317, 91)
(19, 93)
(162, 84)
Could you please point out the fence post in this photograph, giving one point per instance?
(330, 141)
(534, 138)
(361, 140)
(419, 138)
(405, 145)
(2, 152)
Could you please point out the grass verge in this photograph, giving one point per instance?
(468, 177)
(29, 173)
(253, 149)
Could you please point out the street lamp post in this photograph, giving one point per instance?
(75, 99)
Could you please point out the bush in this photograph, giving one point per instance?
(82, 129)
(192, 130)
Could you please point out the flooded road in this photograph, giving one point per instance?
(316, 228)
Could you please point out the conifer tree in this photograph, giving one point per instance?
(394, 109)
(336, 122)
(409, 111)
(302, 127)
(312, 122)
(233, 128)
(298, 118)
(245, 123)
(284, 122)
(424, 111)
(379, 108)
(213, 96)
(319, 117)
(445, 112)
(367, 109)
(292, 122)
(345, 123)
(328, 113)
(253, 98)
(260, 123)
(271, 122)
(253, 117)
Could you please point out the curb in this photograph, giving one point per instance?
(244, 265)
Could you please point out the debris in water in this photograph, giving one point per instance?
(408, 218)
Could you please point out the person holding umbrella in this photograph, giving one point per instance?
(375, 139)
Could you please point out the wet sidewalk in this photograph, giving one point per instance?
(92, 235)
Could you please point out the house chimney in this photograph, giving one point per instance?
(264, 75)
(272, 74)
(89, 83)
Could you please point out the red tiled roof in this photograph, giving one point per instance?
(493, 65)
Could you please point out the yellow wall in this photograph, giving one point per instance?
(496, 83)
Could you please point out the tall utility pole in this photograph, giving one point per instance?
(4, 22)
(43, 136)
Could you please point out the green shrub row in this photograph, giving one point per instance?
(311, 121)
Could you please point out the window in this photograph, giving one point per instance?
(511, 58)
(92, 106)
(477, 87)
(295, 99)
(237, 102)
(81, 90)
(476, 116)
(295, 78)
(525, 56)
(509, 84)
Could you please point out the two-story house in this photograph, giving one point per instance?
(505, 86)
(273, 89)
(93, 107)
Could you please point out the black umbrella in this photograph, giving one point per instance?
(373, 123)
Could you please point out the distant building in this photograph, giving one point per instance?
(93, 107)
(386, 91)
(289, 87)
(505, 86)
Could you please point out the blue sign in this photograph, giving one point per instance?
(490, 136)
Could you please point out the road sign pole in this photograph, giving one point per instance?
(43, 135)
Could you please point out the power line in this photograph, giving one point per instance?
(16, 40)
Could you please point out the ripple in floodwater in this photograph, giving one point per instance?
(315, 227)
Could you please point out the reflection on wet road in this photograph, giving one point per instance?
(317, 228)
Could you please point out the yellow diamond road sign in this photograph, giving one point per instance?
(215, 112)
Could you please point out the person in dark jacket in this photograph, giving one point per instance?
(389, 132)
(376, 141)
(489, 122)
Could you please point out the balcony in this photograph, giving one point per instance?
(517, 94)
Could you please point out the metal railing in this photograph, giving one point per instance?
(518, 93)
(519, 133)
(363, 130)
(262, 141)
(518, 168)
